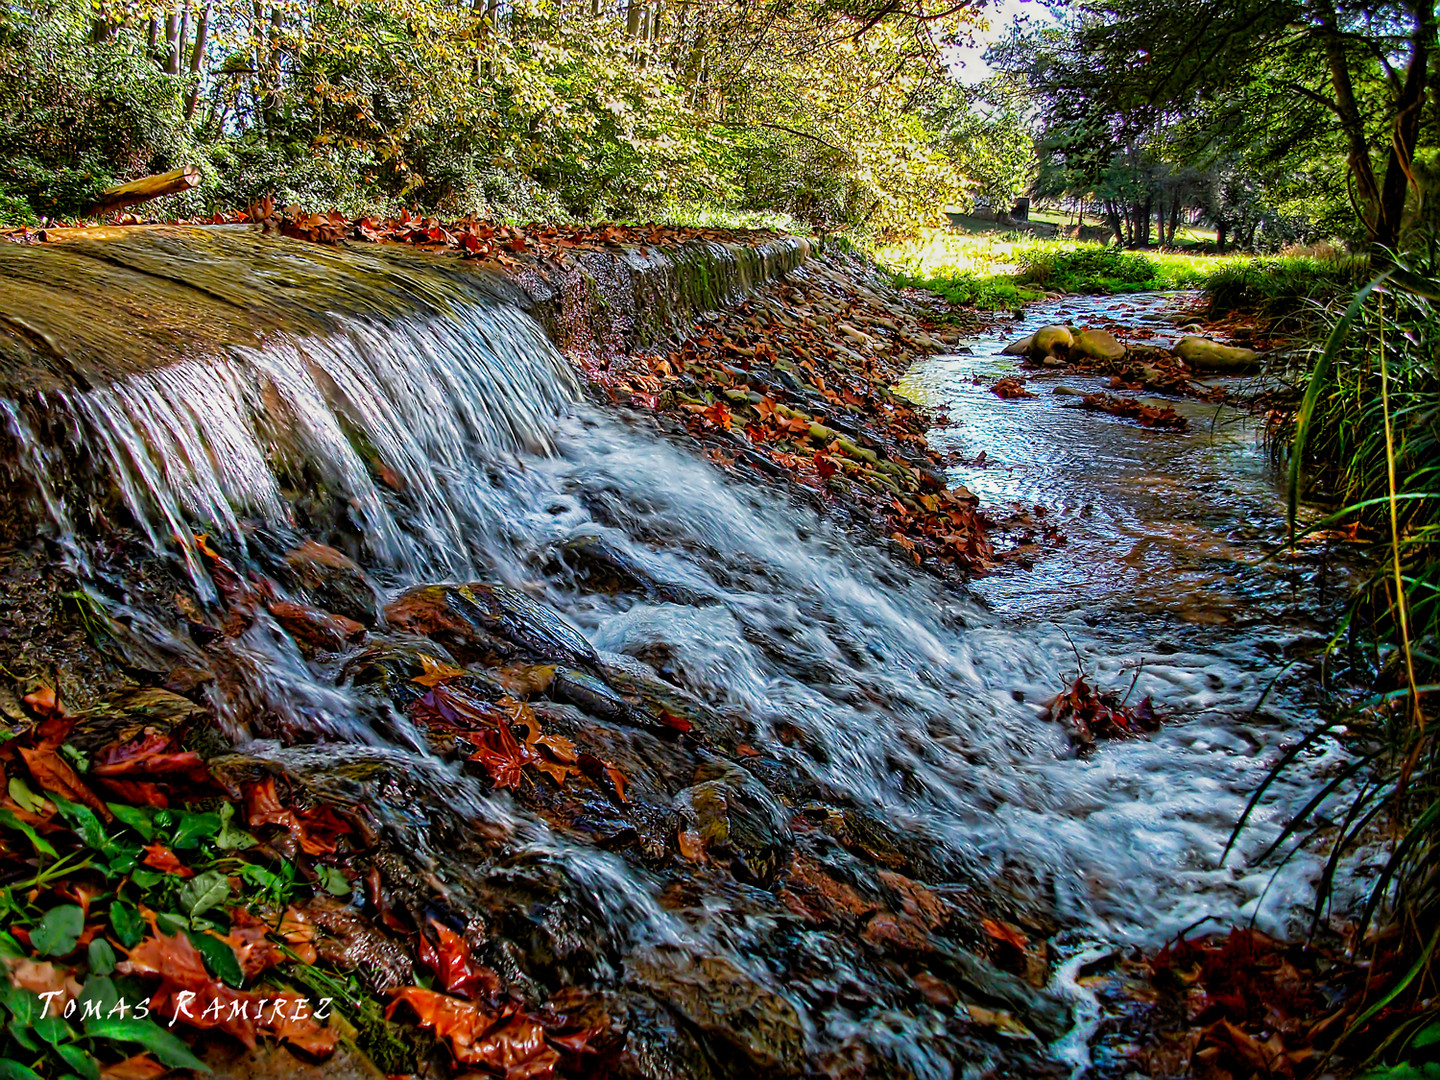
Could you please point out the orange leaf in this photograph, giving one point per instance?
(161, 858)
(54, 774)
(139, 1067)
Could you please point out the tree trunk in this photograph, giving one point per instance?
(1353, 125)
(1398, 165)
(197, 56)
(172, 44)
(1220, 231)
(146, 188)
(1112, 218)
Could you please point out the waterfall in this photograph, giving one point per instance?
(456, 445)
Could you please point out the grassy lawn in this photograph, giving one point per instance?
(1002, 270)
(1007, 269)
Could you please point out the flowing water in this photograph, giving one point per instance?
(917, 701)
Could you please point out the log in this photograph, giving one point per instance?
(146, 188)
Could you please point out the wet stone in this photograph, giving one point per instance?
(740, 822)
(494, 622)
(332, 580)
(725, 1001)
(594, 696)
(659, 1045)
(389, 666)
(596, 563)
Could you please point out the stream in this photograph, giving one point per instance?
(849, 676)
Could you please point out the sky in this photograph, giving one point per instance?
(968, 63)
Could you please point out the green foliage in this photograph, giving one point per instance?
(1090, 269)
(34, 1044)
(971, 290)
(74, 117)
(537, 110)
(1366, 437)
(1278, 120)
(1287, 291)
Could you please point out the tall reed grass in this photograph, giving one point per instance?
(1366, 435)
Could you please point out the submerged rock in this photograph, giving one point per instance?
(332, 580)
(724, 1000)
(1202, 354)
(740, 821)
(597, 563)
(481, 620)
(1097, 345)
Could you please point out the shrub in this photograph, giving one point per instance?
(1286, 290)
(1089, 268)
(76, 117)
(972, 290)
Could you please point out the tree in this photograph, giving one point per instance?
(1329, 74)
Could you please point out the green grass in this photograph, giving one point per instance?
(990, 293)
(1287, 291)
(1006, 269)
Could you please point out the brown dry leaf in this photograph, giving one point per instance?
(999, 1021)
(690, 845)
(43, 977)
(42, 700)
(507, 1041)
(160, 857)
(1006, 933)
(55, 775)
(434, 672)
(139, 1067)
(453, 965)
(522, 680)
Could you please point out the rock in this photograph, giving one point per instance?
(1053, 362)
(1041, 1011)
(351, 943)
(332, 580)
(1049, 340)
(1018, 348)
(1097, 345)
(1202, 354)
(724, 1000)
(388, 667)
(659, 1045)
(315, 630)
(480, 620)
(586, 692)
(597, 563)
(659, 699)
(1067, 391)
(740, 820)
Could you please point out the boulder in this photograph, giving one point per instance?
(1097, 345)
(1049, 340)
(1202, 354)
(1018, 348)
(724, 1000)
